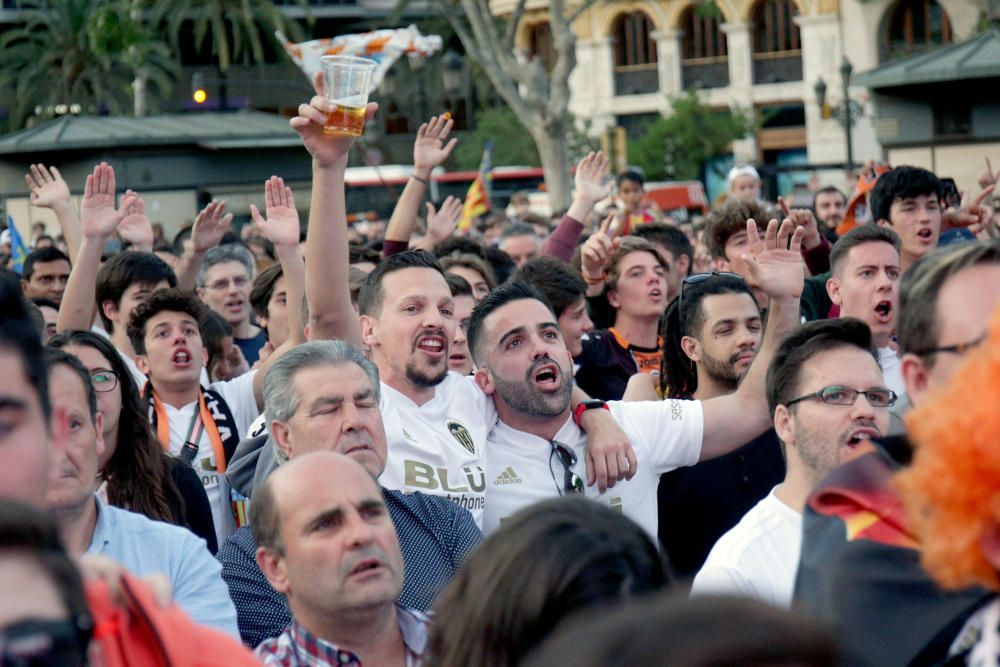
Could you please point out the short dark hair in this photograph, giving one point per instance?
(359, 253)
(458, 285)
(633, 175)
(33, 533)
(172, 300)
(55, 357)
(461, 244)
(918, 291)
(867, 233)
(263, 289)
(828, 190)
(902, 183)
(265, 519)
(730, 219)
(41, 255)
(124, 270)
(518, 229)
(806, 342)
(19, 336)
(372, 295)
(558, 282)
(501, 296)
(670, 237)
(686, 317)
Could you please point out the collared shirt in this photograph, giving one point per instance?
(523, 469)
(435, 537)
(147, 547)
(297, 646)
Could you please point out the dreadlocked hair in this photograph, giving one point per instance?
(678, 377)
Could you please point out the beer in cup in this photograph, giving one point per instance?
(346, 80)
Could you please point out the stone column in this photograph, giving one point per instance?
(740, 82)
(668, 55)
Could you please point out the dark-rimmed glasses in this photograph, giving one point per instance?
(837, 395)
(103, 380)
(957, 348)
(571, 481)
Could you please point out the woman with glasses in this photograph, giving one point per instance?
(138, 475)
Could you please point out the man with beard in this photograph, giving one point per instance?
(829, 203)
(826, 396)
(533, 452)
(711, 336)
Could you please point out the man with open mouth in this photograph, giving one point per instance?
(826, 395)
(864, 282)
(908, 200)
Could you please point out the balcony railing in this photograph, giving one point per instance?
(705, 72)
(636, 79)
(777, 66)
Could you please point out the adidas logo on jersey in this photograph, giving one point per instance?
(508, 476)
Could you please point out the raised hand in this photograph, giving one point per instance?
(210, 226)
(432, 147)
(775, 263)
(48, 189)
(98, 214)
(135, 227)
(326, 150)
(804, 219)
(972, 214)
(589, 179)
(441, 223)
(282, 224)
(598, 250)
(986, 177)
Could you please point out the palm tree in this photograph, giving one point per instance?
(233, 28)
(79, 54)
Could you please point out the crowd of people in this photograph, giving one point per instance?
(766, 437)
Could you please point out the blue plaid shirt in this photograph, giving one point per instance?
(435, 536)
(297, 647)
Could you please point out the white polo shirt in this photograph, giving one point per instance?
(523, 470)
(438, 448)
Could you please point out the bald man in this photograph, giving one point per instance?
(326, 541)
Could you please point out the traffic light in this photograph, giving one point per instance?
(198, 93)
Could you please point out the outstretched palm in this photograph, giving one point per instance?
(98, 216)
(432, 147)
(775, 262)
(282, 224)
(589, 179)
(47, 186)
(210, 226)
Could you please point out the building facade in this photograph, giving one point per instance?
(764, 56)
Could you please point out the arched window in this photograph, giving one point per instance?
(703, 50)
(540, 44)
(635, 55)
(777, 54)
(914, 26)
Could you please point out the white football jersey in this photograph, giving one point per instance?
(438, 448)
(523, 469)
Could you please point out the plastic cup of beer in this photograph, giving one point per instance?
(347, 81)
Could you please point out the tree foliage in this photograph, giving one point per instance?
(235, 30)
(78, 52)
(677, 146)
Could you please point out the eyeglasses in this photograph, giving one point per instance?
(958, 348)
(240, 282)
(877, 398)
(103, 380)
(571, 481)
(34, 643)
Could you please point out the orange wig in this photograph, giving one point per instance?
(952, 489)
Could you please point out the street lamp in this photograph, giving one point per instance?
(417, 63)
(846, 112)
(453, 79)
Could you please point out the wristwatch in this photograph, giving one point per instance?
(589, 404)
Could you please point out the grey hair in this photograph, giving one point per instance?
(280, 398)
(229, 252)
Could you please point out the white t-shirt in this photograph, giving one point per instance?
(238, 395)
(522, 469)
(892, 371)
(758, 557)
(438, 448)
